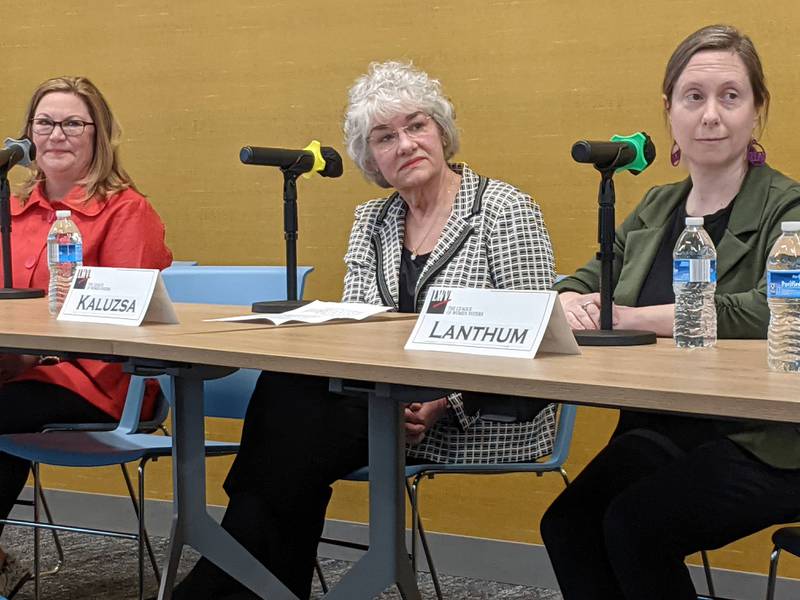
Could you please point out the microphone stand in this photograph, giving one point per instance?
(8, 292)
(607, 335)
(290, 175)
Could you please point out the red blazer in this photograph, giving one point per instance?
(122, 231)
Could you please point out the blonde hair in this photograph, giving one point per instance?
(106, 176)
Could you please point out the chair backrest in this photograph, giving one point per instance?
(229, 396)
(206, 284)
(566, 424)
(130, 421)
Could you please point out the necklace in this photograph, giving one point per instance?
(432, 225)
(422, 241)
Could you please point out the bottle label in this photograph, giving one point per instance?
(783, 284)
(694, 270)
(67, 253)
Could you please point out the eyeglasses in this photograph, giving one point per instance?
(383, 138)
(70, 127)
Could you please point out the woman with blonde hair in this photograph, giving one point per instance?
(77, 168)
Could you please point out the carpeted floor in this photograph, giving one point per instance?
(105, 568)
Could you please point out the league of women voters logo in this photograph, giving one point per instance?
(81, 279)
(439, 301)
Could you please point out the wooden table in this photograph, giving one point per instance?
(731, 380)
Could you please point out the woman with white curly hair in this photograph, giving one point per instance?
(444, 225)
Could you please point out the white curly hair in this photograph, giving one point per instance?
(386, 90)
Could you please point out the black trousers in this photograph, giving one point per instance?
(624, 527)
(26, 407)
(298, 439)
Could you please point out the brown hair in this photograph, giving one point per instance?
(720, 37)
(106, 176)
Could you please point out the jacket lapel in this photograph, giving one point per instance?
(745, 218)
(457, 226)
(389, 238)
(390, 234)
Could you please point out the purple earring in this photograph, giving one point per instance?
(756, 155)
(675, 155)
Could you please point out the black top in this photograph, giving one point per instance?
(657, 286)
(410, 270)
(685, 432)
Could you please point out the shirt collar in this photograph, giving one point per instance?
(74, 201)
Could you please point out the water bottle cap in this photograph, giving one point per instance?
(790, 226)
(63, 214)
(694, 220)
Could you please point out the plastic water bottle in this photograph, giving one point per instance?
(783, 297)
(694, 281)
(64, 257)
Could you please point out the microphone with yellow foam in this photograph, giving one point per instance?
(311, 159)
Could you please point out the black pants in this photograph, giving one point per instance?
(298, 439)
(624, 527)
(26, 407)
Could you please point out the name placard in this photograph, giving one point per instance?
(492, 323)
(118, 296)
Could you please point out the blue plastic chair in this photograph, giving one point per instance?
(416, 473)
(786, 538)
(79, 446)
(184, 263)
(225, 397)
(243, 285)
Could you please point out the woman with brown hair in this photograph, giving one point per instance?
(667, 486)
(77, 168)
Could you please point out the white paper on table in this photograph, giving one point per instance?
(315, 312)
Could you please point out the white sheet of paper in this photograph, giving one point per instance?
(315, 312)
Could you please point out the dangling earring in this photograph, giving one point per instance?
(675, 155)
(756, 155)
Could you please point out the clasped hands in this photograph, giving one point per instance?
(421, 416)
(583, 312)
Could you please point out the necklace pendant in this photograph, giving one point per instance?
(413, 256)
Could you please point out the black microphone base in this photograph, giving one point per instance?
(19, 293)
(614, 337)
(278, 306)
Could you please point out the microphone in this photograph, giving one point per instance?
(632, 153)
(15, 152)
(323, 160)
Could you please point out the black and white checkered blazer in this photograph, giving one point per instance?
(495, 237)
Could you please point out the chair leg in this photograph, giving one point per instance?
(773, 572)
(318, 568)
(153, 561)
(36, 532)
(707, 569)
(60, 558)
(564, 476)
(142, 532)
(412, 497)
(413, 493)
(138, 508)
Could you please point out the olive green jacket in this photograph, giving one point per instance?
(766, 198)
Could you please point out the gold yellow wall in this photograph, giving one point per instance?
(193, 81)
